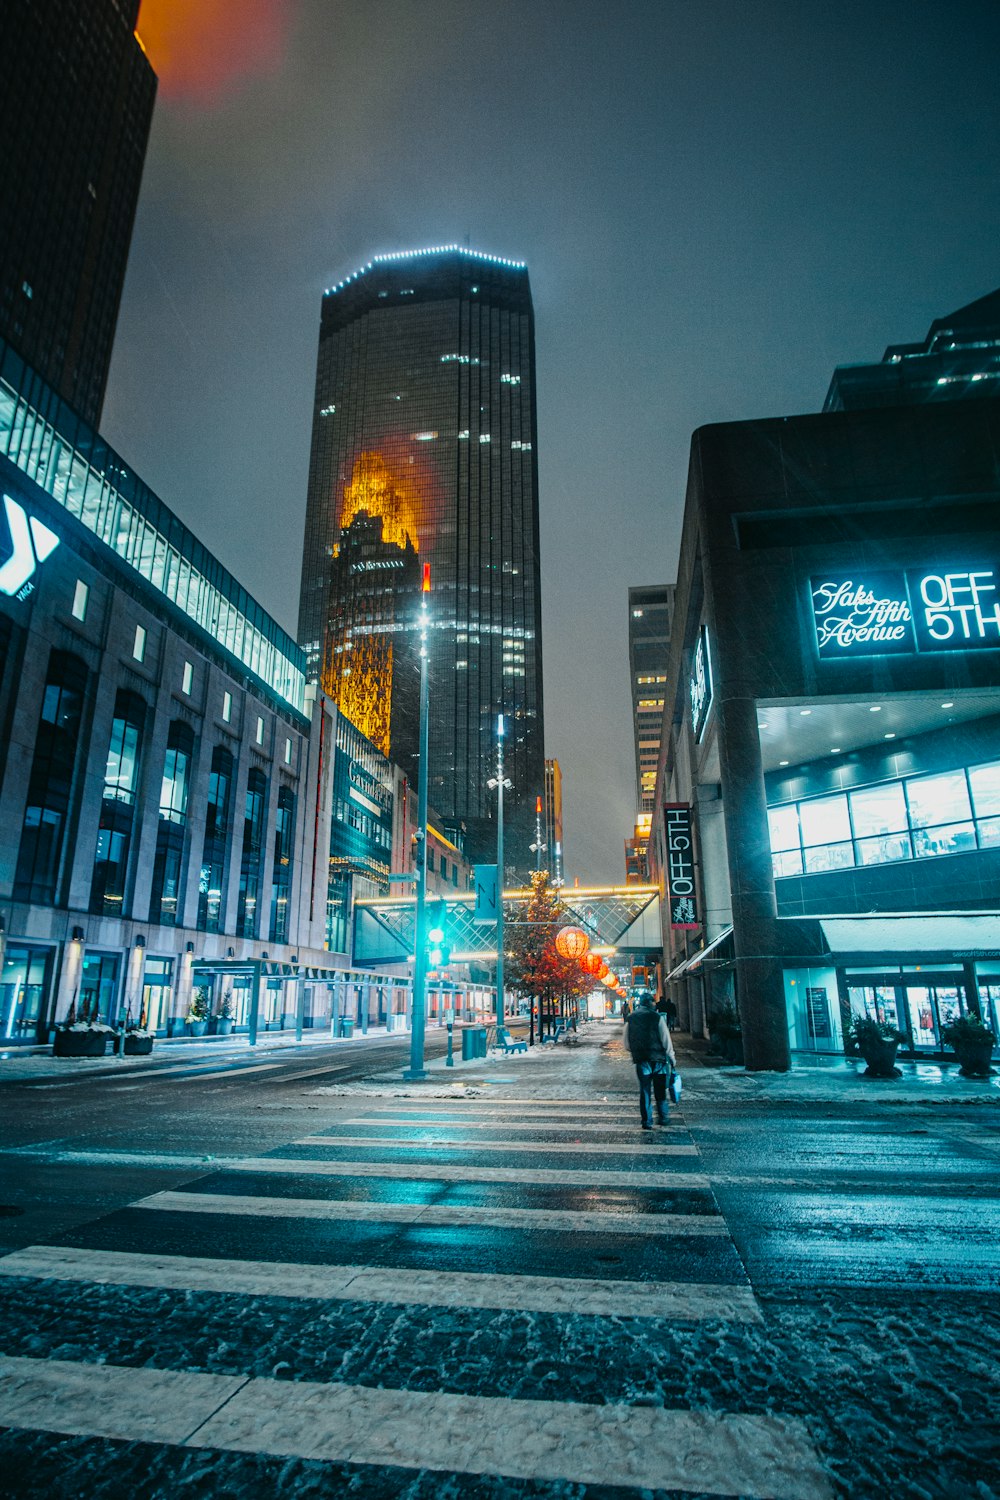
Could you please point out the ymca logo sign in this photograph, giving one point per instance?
(31, 541)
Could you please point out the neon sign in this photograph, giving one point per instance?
(875, 614)
(31, 541)
(680, 866)
(701, 684)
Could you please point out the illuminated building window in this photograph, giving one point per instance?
(139, 644)
(227, 707)
(187, 677)
(260, 730)
(80, 597)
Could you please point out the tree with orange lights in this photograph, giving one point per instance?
(532, 964)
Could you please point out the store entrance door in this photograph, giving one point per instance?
(917, 1005)
(929, 1007)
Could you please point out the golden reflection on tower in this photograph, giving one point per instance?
(375, 553)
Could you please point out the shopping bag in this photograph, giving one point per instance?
(675, 1086)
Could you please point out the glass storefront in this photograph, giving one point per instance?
(98, 993)
(157, 989)
(24, 989)
(918, 1002)
(916, 817)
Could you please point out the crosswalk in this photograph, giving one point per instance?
(463, 1288)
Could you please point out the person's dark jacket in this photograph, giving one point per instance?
(648, 1038)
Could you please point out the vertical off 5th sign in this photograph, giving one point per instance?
(680, 866)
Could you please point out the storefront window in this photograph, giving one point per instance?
(938, 799)
(24, 985)
(824, 820)
(916, 817)
(878, 809)
(984, 782)
(156, 993)
(99, 987)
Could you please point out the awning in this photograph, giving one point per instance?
(952, 935)
(694, 962)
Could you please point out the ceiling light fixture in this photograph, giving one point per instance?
(876, 708)
(782, 763)
(947, 705)
(834, 749)
(890, 736)
(805, 712)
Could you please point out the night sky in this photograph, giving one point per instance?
(717, 200)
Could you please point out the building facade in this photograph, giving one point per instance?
(76, 101)
(650, 612)
(959, 357)
(173, 800)
(424, 451)
(827, 824)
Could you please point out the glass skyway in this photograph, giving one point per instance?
(385, 926)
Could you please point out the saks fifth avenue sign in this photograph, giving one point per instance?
(876, 614)
(700, 687)
(680, 866)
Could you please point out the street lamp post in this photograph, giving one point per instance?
(539, 847)
(499, 783)
(416, 1069)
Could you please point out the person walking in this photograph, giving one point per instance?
(647, 1038)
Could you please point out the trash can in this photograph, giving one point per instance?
(347, 1025)
(473, 1042)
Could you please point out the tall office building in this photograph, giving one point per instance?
(424, 451)
(650, 611)
(554, 819)
(959, 357)
(76, 100)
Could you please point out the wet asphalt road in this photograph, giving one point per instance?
(868, 1231)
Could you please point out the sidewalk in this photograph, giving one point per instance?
(829, 1080)
(38, 1062)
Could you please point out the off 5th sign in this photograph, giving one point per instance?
(32, 542)
(878, 614)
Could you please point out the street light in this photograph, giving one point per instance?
(497, 783)
(539, 847)
(416, 1069)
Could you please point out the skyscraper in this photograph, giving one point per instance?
(554, 819)
(649, 617)
(424, 451)
(76, 100)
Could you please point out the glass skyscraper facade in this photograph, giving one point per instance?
(76, 100)
(424, 451)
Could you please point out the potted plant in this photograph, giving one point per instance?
(136, 1040)
(877, 1042)
(972, 1042)
(222, 1021)
(196, 1020)
(82, 1034)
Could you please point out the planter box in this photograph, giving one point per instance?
(196, 1028)
(80, 1043)
(137, 1046)
(881, 1059)
(974, 1058)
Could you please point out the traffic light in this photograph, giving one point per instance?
(438, 949)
